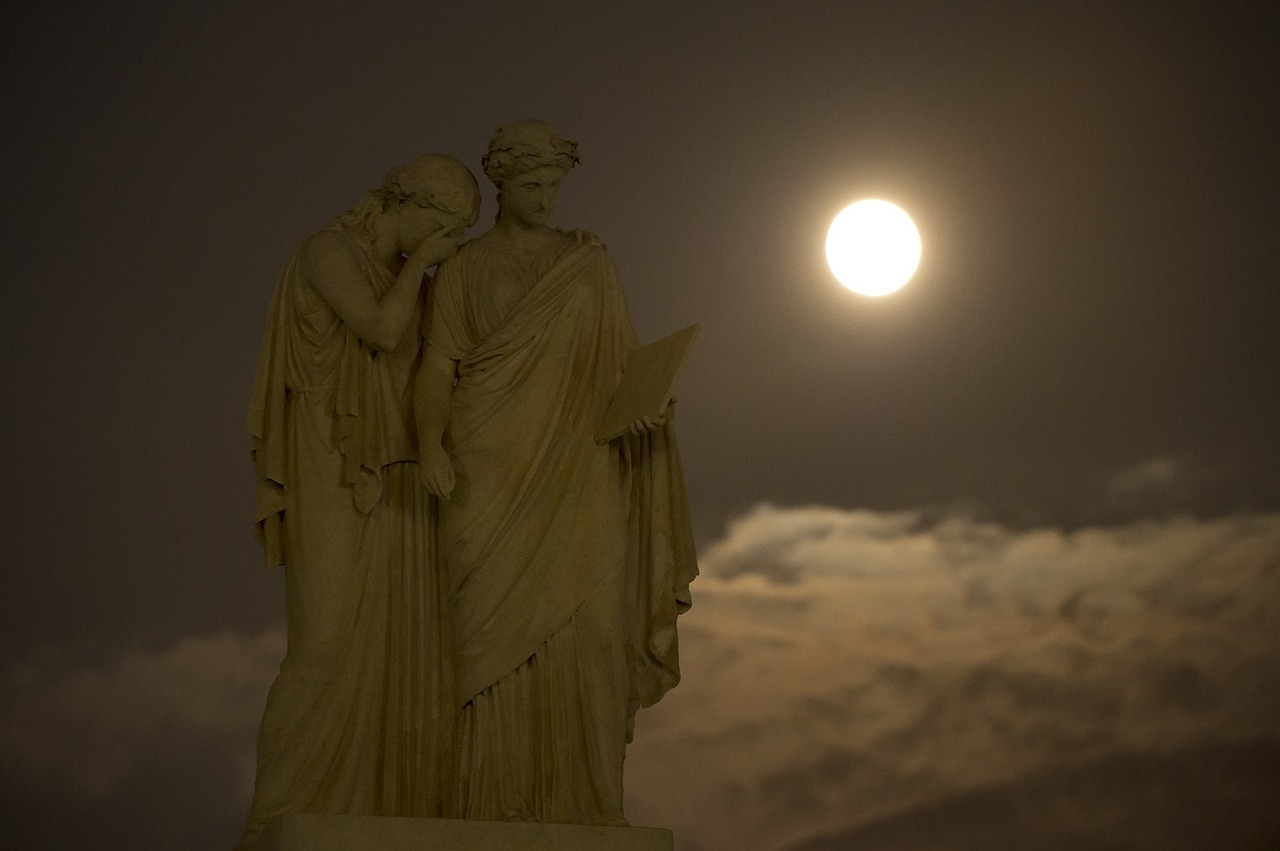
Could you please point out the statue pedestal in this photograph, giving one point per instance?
(306, 832)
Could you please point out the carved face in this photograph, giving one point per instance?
(530, 198)
(416, 222)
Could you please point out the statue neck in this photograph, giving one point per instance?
(513, 233)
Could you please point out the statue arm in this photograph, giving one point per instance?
(380, 322)
(431, 398)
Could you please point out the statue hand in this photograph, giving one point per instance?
(436, 472)
(436, 247)
(644, 425)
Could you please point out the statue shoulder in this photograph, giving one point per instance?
(466, 249)
(452, 267)
(326, 247)
(582, 237)
(331, 261)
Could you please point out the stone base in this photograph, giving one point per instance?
(305, 832)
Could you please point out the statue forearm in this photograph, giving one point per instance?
(432, 394)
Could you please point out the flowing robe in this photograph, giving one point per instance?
(568, 560)
(359, 720)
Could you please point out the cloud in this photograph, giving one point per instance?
(845, 672)
(1152, 474)
(843, 667)
(1185, 800)
(93, 725)
(1156, 485)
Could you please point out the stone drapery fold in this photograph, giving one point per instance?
(360, 718)
(541, 513)
(306, 349)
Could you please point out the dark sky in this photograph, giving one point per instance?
(1055, 448)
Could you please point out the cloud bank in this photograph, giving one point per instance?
(847, 674)
(94, 726)
(845, 667)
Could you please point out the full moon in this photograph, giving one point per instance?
(873, 247)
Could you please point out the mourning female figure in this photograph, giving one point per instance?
(568, 559)
(360, 716)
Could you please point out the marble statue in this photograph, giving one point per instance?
(568, 560)
(361, 716)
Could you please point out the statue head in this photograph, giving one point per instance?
(430, 182)
(434, 181)
(523, 146)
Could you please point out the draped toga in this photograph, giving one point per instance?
(568, 560)
(359, 720)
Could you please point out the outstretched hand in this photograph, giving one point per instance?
(436, 472)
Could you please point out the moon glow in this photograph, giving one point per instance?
(873, 247)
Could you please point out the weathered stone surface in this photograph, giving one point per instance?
(569, 558)
(481, 594)
(361, 716)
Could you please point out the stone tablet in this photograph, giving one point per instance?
(648, 383)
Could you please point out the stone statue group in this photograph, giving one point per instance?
(479, 594)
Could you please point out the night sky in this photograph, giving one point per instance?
(990, 562)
